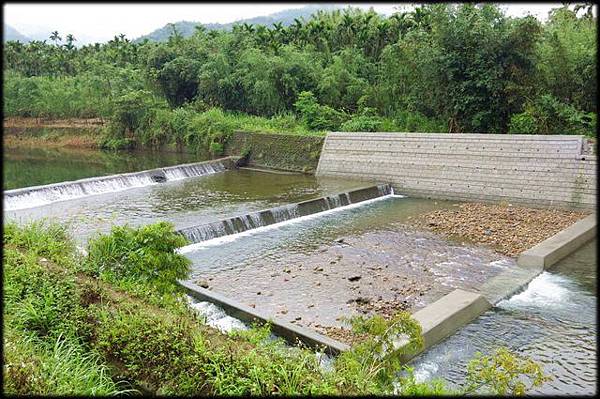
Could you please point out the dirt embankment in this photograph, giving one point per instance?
(507, 229)
(55, 133)
(20, 122)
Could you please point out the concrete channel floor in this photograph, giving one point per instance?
(379, 271)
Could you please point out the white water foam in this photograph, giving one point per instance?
(43, 195)
(216, 317)
(545, 290)
(233, 237)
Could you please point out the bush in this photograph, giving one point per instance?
(414, 121)
(366, 121)
(143, 255)
(547, 115)
(316, 116)
(209, 130)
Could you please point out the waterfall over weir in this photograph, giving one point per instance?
(282, 213)
(30, 197)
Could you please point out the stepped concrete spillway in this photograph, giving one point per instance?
(29, 197)
(238, 224)
(548, 170)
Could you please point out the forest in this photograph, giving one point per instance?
(439, 68)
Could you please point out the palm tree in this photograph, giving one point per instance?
(70, 39)
(55, 37)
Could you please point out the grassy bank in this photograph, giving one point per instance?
(115, 321)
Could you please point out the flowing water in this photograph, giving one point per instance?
(185, 202)
(353, 258)
(313, 271)
(553, 321)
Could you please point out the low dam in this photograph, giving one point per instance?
(282, 213)
(552, 170)
(305, 251)
(29, 197)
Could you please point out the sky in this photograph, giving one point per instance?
(101, 22)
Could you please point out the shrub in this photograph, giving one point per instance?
(414, 121)
(144, 255)
(366, 121)
(208, 128)
(316, 116)
(547, 115)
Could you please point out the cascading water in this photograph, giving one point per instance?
(239, 224)
(186, 171)
(30, 197)
(553, 321)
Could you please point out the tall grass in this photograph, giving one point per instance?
(61, 367)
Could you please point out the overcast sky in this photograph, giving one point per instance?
(101, 22)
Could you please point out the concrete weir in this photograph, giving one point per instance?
(41, 195)
(291, 333)
(443, 317)
(241, 223)
(453, 311)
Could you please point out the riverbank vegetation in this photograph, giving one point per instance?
(115, 321)
(439, 68)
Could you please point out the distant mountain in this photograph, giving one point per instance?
(285, 17)
(11, 33)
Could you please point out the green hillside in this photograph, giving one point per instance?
(187, 28)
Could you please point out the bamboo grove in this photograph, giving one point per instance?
(440, 67)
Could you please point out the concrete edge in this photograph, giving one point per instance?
(563, 243)
(447, 315)
(323, 146)
(384, 186)
(291, 333)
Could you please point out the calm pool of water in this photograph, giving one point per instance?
(25, 167)
(184, 202)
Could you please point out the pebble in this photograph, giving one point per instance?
(509, 229)
(203, 283)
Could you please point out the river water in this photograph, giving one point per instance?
(359, 260)
(184, 203)
(553, 321)
(25, 167)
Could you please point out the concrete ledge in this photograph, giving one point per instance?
(291, 333)
(226, 161)
(550, 251)
(508, 283)
(447, 315)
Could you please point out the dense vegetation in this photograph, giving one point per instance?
(115, 321)
(441, 67)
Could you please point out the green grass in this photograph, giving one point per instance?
(115, 320)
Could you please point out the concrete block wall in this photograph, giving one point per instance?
(549, 170)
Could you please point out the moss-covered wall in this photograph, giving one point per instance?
(278, 151)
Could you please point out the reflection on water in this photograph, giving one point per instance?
(185, 202)
(26, 167)
(553, 321)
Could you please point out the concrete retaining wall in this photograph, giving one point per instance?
(536, 170)
(279, 151)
